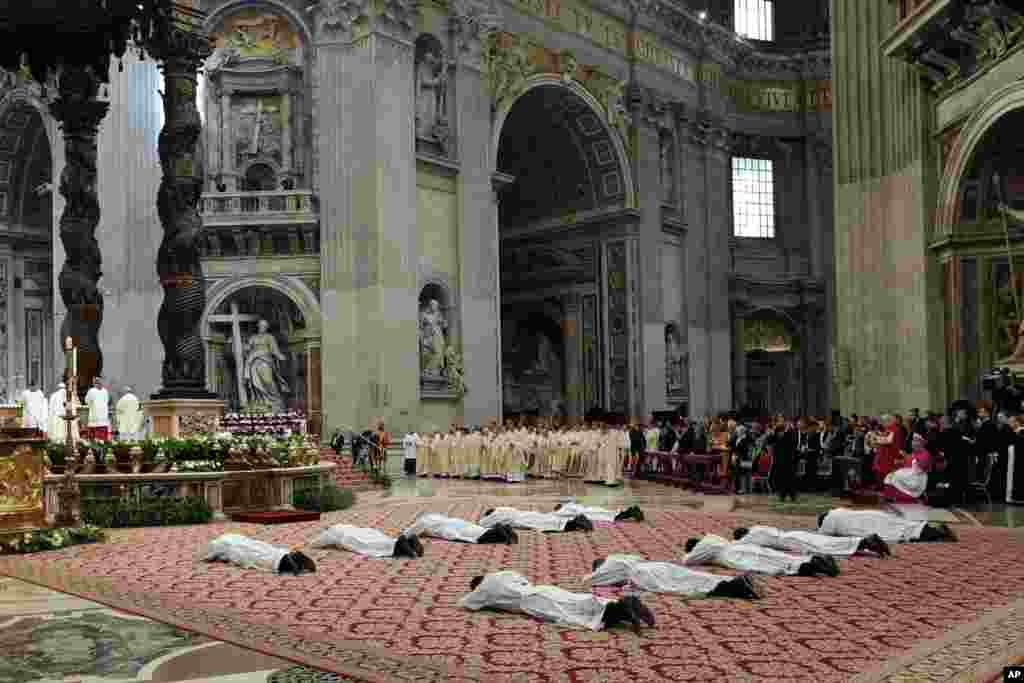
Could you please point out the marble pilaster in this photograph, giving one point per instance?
(572, 330)
(652, 316)
(287, 134)
(719, 228)
(694, 141)
(367, 189)
(478, 232)
(227, 163)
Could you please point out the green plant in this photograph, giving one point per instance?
(327, 499)
(55, 452)
(113, 513)
(150, 447)
(51, 539)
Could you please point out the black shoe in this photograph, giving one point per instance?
(287, 565)
(948, 534)
(747, 588)
(875, 544)
(404, 548)
(511, 537)
(638, 611)
(579, 523)
(417, 545)
(825, 565)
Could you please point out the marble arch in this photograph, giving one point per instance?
(294, 289)
(998, 104)
(598, 111)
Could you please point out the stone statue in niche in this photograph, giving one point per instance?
(668, 170)
(674, 377)
(264, 382)
(433, 340)
(259, 129)
(431, 93)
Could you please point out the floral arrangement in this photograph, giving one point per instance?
(264, 423)
(51, 539)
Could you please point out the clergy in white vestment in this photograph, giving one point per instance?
(596, 514)
(746, 557)
(58, 425)
(130, 417)
(98, 400)
(252, 554)
(667, 577)
(369, 542)
(810, 543)
(890, 528)
(511, 592)
(36, 409)
(453, 529)
(409, 452)
(536, 521)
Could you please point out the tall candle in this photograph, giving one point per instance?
(74, 363)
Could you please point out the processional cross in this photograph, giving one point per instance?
(235, 319)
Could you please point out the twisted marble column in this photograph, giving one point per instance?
(79, 112)
(181, 275)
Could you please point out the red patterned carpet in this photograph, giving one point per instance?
(389, 620)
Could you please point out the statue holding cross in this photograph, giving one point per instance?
(260, 382)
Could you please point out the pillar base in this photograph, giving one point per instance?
(180, 417)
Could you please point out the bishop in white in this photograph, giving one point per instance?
(596, 514)
(810, 543)
(512, 592)
(129, 416)
(453, 529)
(36, 409)
(537, 521)
(369, 542)
(890, 528)
(252, 554)
(667, 577)
(746, 557)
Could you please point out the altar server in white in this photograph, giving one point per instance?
(810, 543)
(98, 400)
(252, 554)
(536, 521)
(369, 542)
(58, 425)
(511, 592)
(890, 528)
(36, 409)
(746, 557)
(453, 529)
(667, 577)
(129, 416)
(596, 514)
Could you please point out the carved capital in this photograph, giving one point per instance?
(472, 22)
(397, 17)
(335, 19)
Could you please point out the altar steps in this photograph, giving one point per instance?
(344, 476)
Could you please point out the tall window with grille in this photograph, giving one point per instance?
(754, 19)
(753, 197)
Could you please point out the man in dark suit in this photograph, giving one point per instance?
(784, 444)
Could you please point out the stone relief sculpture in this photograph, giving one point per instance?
(507, 66)
(674, 361)
(668, 169)
(249, 35)
(567, 65)
(431, 91)
(264, 382)
(259, 129)
(433, 341)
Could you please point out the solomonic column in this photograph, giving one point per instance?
(80, 112)
(182, 51)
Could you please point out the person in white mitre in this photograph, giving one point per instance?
(747, 557)
(58, 425)
(667, 577)
(98, 400)
(810, 543)
(369, 542)
(409, 453)
(596, 514)
(536, 521)
(891, 528)
(36, 409)
(129, 416)
(453, 529)
(512, 592)
(249, 553)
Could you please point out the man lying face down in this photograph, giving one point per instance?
(252, 554)
(596, 514)
(511, 592)
(809, 543)
(747, 557)
(369, 542)
(667, 577)
(890, 528)
(453, 529)
(537, 521)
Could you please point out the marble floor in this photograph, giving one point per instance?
(50, 636)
